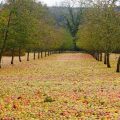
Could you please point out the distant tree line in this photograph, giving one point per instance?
(70, 17)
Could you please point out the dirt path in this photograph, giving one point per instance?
(60, 87)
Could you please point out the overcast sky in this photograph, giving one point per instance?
(48, 2)
(51, 2)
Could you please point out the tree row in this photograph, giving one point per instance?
(100, 31)
(27, 26)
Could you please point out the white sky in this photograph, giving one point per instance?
(48, 2)
(54, 2)
(51, 2)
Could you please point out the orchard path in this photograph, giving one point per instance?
(69, 86)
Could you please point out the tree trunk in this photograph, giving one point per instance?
(118, 65)
(20, 55)
(28, 54)
(12, 60)
(105, 58)
(5, 38)
(100, 56)
(45, 54)
(34, 55)
(41, 54)
(108, 60)
(48, 53)
(96, 56)
(38, 55)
